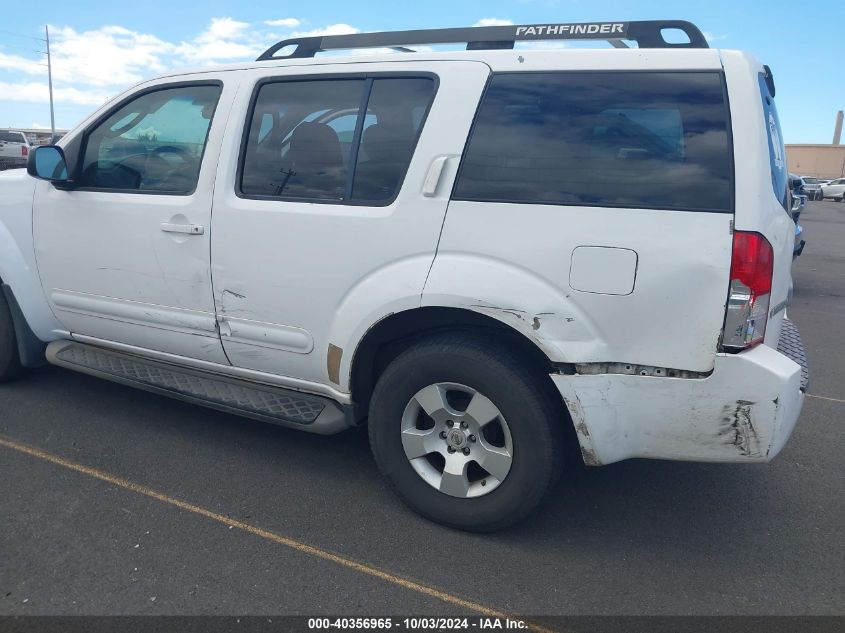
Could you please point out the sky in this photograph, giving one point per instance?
(100, 47)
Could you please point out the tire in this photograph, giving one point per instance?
(10, 362)
(459, 377)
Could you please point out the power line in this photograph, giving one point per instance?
(29, 37)
(15, 47)
(26, 62)
(50, 83)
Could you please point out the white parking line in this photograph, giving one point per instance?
(809, 395)
(300, 546)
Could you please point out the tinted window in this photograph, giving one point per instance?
(657, 140)
(777, 154)
(12, 137)
(311, 140)
(301, 155)
(152, 143)
(395, 113)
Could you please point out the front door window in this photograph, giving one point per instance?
(154, 143)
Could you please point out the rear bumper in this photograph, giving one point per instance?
(744, 411)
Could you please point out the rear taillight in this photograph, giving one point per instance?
(24, 150)
(752, 263)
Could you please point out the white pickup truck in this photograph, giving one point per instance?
(485, 255)
(14, 149)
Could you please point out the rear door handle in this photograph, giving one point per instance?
(432, 178)
(190, 229)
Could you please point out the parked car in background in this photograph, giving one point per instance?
(14, 149)
(812, 187)
(796, 185)
(835, 189)
(799, 201)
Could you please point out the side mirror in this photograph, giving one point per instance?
(48, 163)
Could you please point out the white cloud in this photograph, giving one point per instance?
(90, 66)
(712, 37)
(223, 28)
(224, 40)
(22, 64)
(289, 23)
(332, 29)
(37, 92)
(493, 22)
(37, 126)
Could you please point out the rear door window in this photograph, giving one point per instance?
(334, 140)
(615, 139)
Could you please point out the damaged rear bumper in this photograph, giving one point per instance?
(743, 412)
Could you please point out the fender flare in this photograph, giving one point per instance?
(30, 348)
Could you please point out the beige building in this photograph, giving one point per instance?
(36, 136)
(821, 161)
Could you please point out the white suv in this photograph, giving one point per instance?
(487, 255)
(834, 189)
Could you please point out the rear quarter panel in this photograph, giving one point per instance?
(757, 207)
(513, 261)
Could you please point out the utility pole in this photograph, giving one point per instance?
(50, 83)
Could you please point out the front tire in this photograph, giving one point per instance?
(10, 362)
(469, 434)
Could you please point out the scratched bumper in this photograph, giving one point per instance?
(744, 411)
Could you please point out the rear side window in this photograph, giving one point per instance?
(614, 139)
(333, 140)
(777, 154)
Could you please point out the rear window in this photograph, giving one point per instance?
(12, 137)
(614, 139)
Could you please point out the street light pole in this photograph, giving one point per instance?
(50, 83)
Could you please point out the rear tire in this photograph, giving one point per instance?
(469, 433)
(10, 362)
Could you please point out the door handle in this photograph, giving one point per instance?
(432, 178)
(190, 229)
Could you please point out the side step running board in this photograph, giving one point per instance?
(261, 402)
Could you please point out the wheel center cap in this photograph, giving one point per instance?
(456, 438)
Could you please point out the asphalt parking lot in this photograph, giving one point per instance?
(115, 501)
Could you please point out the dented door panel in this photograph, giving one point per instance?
(296, 281)
(494, 259)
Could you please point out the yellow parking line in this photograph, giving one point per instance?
(299, 546)
(809, 395)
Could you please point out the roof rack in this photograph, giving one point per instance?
(647, 34)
